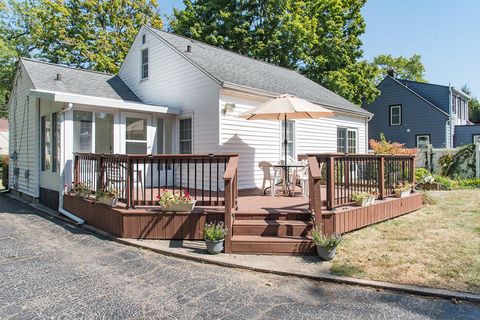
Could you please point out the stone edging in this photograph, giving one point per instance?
(411, 289)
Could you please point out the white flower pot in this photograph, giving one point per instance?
(181, 207)
(111, 202)
(365, 201)
(82, 194)
(402, 194)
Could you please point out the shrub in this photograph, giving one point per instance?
(383, 146)
(214, 231)
(421, 173)
(326, 241)
(4, 159)
(446, 183)
(469, 183)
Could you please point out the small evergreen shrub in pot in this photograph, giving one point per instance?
(214, 235)
(326, 245)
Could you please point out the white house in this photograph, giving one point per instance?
(4, 136)
(172, 95)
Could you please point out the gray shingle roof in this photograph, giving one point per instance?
(230, 67)
(77, 81)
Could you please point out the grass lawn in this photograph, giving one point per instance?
(437, 246)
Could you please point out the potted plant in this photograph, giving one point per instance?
(326, 245)
(363, 199)
(402, 190)
(81, 190)
(178, 201)
(107, 196)
(214, 235)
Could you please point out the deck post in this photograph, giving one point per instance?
(381, 177)
(231, 190)
(330, 182)
(412, 172)
(128, 187)
(315, 190)
(100, 173)
(76, 166)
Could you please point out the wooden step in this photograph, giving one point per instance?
(271, 227)
(264, 215)
(273, 245)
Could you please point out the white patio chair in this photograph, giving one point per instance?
(301, 178)
(270, 174)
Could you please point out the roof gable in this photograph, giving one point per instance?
(410, 91)
(77, 81)
(228, 67)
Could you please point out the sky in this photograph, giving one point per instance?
(445, 33)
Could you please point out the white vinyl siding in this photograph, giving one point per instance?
(260, 140)
(174, 81)
(24, 124)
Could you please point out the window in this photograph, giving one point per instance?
(476, 138)
(290, 139)
(144, 38)
(145, 63)
(46, 144)
(55, 142)
(459, 107)
(396, 115)
(103, 132)
(186, 136)
(454, 104)
(82, 131)
(422, 140)
(347, 140)
(464, 110)
(136, 135)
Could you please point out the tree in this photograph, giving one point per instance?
(473, 106)
(406, 68)
(319, 38)
(93, 34)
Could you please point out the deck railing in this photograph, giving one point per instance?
(343, 175)
(139, 179)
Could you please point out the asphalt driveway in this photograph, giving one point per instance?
(49, 269)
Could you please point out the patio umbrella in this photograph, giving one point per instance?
(286, 107)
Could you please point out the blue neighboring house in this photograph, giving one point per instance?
(417, 113)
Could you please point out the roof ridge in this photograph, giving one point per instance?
(226, 50)
(67, 67)
(428, 83)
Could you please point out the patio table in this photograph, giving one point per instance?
(286, 169)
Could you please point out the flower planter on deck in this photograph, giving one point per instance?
(180, 207)
(111, 202)
(365, 201)
(402, 194)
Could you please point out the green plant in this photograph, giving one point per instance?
(214, 231)
(401, 187)
(445, 183)
(322, 240)
(109, 192)
(81, 187)
(4, 160)
(168, 198)
(420, 173)
(361, 195)
(446, 162)
(473, 183)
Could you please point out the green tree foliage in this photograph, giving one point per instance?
(406, 68)
(319, 38)
(93, 34)
(473, 106)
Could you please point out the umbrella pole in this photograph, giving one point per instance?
(285, 139)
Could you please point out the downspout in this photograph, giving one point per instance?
(63, 187)
(449, 121)
(367, 119)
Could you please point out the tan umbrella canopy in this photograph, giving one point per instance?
(286, 107)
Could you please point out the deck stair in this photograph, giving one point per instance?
(285, 232)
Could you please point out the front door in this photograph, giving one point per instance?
(164, 145)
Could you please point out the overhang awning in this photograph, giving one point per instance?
(103, 102)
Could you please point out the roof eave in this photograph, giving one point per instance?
(269, 94)
(103, 102)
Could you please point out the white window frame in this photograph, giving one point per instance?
(475, 137)
(185, 117)
(142, 64)
(294, 144)
(357, 142)
(422, 135)
(399, 108)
